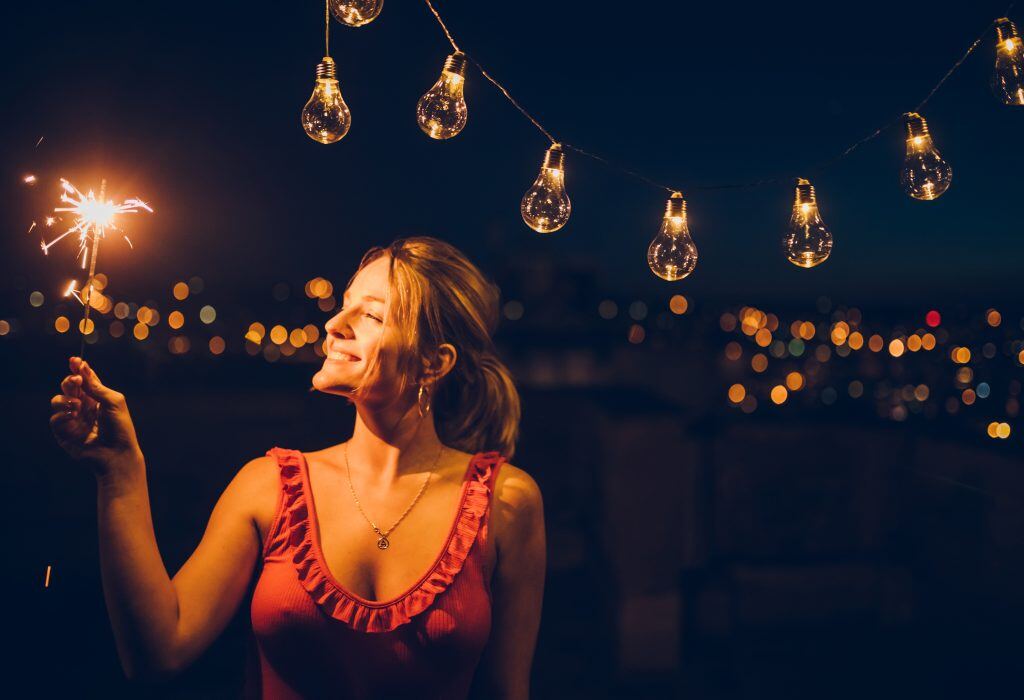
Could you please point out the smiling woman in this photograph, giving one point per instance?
(400, 563)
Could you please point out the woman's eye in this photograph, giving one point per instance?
(378, 320)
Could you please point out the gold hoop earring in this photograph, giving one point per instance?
(420, 401)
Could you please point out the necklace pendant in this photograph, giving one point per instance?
(383, 543)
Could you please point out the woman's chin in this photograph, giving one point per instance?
(328, 383)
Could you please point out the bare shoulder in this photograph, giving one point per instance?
(518, 514)
(517, 489)
(256, 474)
(255, 488)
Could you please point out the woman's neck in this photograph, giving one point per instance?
(387, 445)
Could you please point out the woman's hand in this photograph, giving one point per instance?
(91, 421)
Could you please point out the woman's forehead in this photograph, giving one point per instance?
(372, 280)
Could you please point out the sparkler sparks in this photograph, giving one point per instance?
(94, 216)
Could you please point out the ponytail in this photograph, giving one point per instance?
(478, 408)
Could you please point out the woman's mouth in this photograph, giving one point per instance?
(339, 356)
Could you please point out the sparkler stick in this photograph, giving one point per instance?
(92, 271)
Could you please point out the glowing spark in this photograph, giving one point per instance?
(40, 141)
(30, 229)
(94, 216)
(50, 220)
(29, 179)
(71, 291)
(46, 584)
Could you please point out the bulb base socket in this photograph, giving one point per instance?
(326, 69)
(1005, 30)
(915, 124)
(554, 158)
(805, 192)
(675, 206)
(456, 63)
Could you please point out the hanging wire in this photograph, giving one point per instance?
(820, 166)
(451, 39)
(632, 173)
(327, 27)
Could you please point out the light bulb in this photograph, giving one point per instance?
(1008, 77)
(441, 112)
(925, 175)
(807, 242)
(326, 117)
(356, 13)
(545, 206)
(672, 254)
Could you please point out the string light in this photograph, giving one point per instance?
(356, 13)
(925, 175)
(1008, 76)
(807, 242)
(672, 254)
(325, 117)
(441, 112)
(545, 206)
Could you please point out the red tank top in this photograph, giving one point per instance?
(313, 638)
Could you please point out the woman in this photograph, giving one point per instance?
(388, 565)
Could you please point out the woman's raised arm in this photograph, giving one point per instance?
(160, 625)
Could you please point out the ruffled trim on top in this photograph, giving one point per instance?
(358, 613)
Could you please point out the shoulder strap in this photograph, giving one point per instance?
(289, 464)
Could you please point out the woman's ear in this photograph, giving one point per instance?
(444, 361)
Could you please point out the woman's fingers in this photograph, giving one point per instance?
(91, 385)
(63, 403)
(71, 385)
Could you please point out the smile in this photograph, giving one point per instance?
(341, 356)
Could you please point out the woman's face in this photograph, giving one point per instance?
(356, 334)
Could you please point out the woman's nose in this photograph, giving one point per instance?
(336, 325)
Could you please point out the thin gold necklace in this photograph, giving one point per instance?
(382, 535)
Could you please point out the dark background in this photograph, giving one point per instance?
(841, 543)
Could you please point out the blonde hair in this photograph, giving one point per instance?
(436, 295)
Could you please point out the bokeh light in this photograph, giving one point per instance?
(779, 394)
(737, 392)
(278, 335)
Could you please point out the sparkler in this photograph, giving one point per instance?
(94, 217)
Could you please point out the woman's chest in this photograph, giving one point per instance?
(351, 551)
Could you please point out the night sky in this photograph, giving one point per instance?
(195, 107)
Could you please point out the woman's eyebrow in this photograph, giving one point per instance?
(365, 297)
